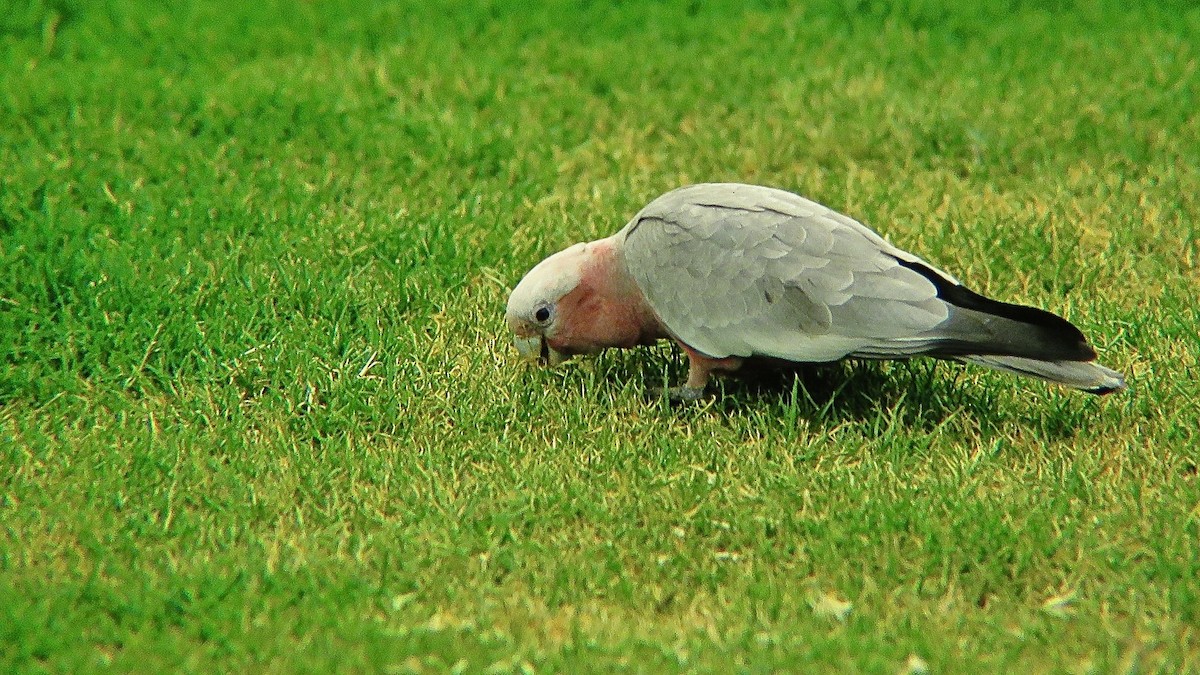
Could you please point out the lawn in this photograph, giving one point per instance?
(259, 411)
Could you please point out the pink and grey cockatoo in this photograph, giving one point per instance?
(732, 272)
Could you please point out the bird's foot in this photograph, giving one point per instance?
(680, 394)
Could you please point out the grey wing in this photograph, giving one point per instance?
(742, 270)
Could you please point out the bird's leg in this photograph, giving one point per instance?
(700, 369)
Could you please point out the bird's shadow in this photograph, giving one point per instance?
(918, 393)
(921, 393)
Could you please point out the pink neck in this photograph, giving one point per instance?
(606, 309)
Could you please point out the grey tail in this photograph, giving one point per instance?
(1088, 376)
(1015, 338)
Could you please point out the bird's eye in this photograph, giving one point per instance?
(542, 315)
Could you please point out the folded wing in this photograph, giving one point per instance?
(741, 270)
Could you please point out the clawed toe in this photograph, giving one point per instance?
(680, 394)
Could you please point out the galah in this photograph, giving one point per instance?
(732, 272)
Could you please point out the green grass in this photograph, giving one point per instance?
(258, 409)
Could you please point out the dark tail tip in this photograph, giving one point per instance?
(1060, 340)
(1103, 391)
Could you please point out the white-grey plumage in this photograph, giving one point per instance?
(732, 271)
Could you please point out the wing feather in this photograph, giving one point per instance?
(746, 270)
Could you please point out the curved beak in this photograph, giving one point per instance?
(536, 347)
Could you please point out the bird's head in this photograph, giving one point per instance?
(537, 311)
(579, 301)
